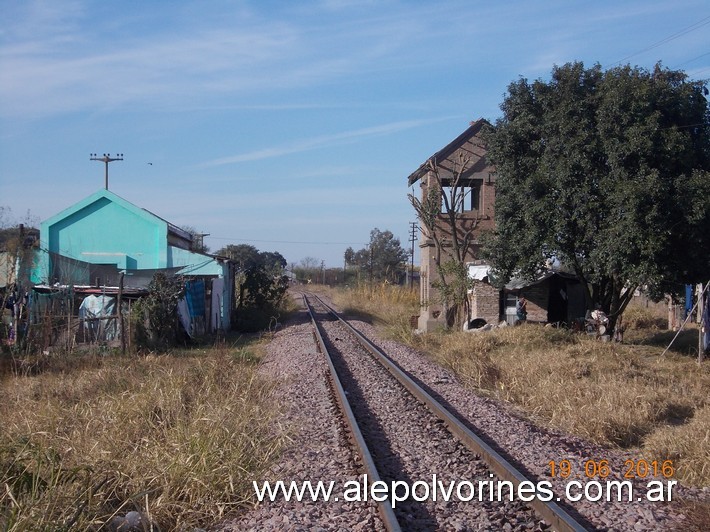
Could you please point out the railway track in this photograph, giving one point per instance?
(404, 439)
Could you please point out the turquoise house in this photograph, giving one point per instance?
(103, 236)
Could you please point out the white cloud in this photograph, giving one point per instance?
(58, 62)
(36, 81)
(322, 141)
(52, 64)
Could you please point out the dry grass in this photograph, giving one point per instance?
(608, 393)
(697, 517)
(622, 395)
(687, 443)
(178, 437)
(391, 307)
(640, 319)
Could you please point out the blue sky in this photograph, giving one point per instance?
(289, 125)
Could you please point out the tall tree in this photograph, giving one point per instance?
(384, 258)
(260, 285)
(245, 255)
(608, 173)
(349, 255)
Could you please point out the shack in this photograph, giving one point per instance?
(91, 245)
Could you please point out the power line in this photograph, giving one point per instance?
(701, 71)
(236, 239)
(684, 31)
(106, 159)
(694, 59)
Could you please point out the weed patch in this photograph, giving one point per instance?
(178, 438)
(389, 305)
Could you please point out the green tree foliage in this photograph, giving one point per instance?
(383, 259)
(606, 172)
(261, 290)
(273, 261)
(349, 256)
(260, 285)
(198, 239)
(155, 315)
(245, 255)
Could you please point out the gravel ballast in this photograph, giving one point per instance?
(320, 448)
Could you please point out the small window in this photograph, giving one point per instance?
(468, 197)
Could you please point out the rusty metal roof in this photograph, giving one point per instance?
(518, 283)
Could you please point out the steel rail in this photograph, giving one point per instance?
(385, 506)
(552, 512)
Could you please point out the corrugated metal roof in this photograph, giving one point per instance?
(90, 290)
(518, 283)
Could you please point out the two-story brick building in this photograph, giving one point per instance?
(554, 297)
(460, 165)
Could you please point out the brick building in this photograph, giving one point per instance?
(462, 165)
(554, 297)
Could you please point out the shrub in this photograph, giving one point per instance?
(155, 316)
(260, 299)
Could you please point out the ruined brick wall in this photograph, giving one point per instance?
(537, 297)
(485, 303)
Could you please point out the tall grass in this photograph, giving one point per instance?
(176, 437)
(391, 306)
(605, 392)
(622, 395)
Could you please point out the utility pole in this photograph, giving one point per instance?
(372, 255)
(106, 159)
(200, 244)
(702, 309)
(412, 239)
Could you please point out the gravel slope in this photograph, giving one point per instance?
(319, 449)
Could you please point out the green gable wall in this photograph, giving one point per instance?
(106, 229)
(103, 235)
(194, 263)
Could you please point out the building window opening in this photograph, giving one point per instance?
(464, 198)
